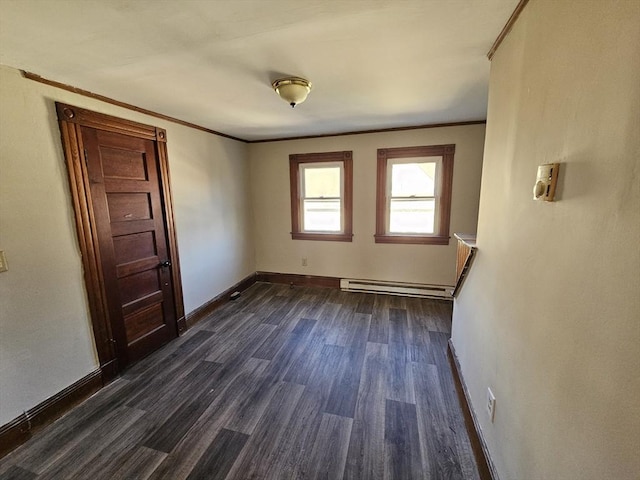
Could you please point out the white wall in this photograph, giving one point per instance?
(550, 314)
(362, 258)
(46, 342)
(210, 181)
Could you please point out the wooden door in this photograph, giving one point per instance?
(119, 182)
(123, 176)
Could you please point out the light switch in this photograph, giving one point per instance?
(545, 187)
(3, 262)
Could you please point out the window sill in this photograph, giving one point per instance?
(413, 239)
(325, 237)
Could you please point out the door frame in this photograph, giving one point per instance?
(71, 119)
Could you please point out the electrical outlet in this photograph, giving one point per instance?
(304, 261)
(3, 262)
(491, 404)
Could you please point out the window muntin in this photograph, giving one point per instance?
(321, 196)
(413, 202)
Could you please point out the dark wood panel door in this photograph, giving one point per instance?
(123, 173)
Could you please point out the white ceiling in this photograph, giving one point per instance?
(373, 64)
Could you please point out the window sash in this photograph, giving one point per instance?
(303, 196)
(319, 215)
(436, 197)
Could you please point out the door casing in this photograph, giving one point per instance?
(71, 119)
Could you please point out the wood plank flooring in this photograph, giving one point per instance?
(283, 383)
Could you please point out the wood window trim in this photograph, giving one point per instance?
(295, 160)
(444, 209)
(71, 120)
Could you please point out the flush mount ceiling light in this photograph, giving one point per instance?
(293, 90)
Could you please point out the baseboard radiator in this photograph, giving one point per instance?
(397, 288)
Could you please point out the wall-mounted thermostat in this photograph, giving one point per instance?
(545, 187)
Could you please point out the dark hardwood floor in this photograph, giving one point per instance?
(283, 383)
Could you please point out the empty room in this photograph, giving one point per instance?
(318, 239)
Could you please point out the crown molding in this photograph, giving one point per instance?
(377, 130)
(507, 28)
(79, 91)
(118, 103)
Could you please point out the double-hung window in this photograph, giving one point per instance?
(414, 194)
(321, 196)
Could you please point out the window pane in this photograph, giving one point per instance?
(322, 216)
(413, 179)
(412, 216)
(322, 182)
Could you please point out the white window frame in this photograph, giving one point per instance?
(437, 160)
(302, 189)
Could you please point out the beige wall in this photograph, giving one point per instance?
(362, 258)
(549, 317)
(46, 341)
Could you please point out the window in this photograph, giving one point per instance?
(414, 194)
(321, 196)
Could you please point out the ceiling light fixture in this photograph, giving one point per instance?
(293, 90)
